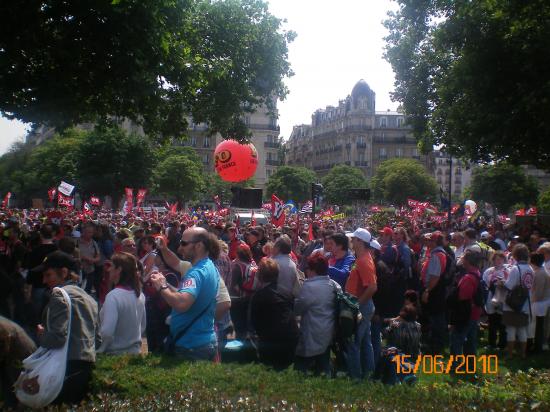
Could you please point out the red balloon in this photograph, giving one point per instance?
(235, 162)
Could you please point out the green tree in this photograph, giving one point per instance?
(16, 175)
(291, 183)
(338, 182)
(179, 176)
(543, 203)
(110, 159)
(57, 159)
(470, 75)
(503, 185)
(151, 61)
(396, 180)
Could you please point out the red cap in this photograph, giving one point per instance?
(387, 231)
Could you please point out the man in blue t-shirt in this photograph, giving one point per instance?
(194, 303)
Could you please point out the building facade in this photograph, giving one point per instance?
(456, 175)
(265, 137)
(352, 133)
(262, 125)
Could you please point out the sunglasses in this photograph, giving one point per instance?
(186, 242)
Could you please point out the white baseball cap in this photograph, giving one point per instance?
(365, 236)
(485, 235)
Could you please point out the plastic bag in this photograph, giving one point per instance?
(44, 372)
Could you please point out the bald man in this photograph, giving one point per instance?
(194, 303)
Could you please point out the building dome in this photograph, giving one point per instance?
(361, 88)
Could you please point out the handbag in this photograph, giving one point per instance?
(43, 373)
(518, 295)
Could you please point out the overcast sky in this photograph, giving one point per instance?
(338, 43)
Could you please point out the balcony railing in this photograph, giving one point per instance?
(361, 145)
(361, 163)
(273, 162)
(394, 140)
(272, 144)
(383, 157)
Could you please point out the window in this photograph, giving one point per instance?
(273, 121)
(384, 122)
(269, 156)
(415, 153)
(400, 122)
(268, 172)
(194, 141)
(206, 159)
(382, 152)
(398, 152)
(360, 139)
(361, 157)
(206, 142)
(247, 120)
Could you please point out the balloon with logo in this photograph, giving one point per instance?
(235, 162)
(470, 207)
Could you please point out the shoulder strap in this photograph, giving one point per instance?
(184, 330)
(69, 304)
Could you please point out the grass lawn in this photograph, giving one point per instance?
(162, 383)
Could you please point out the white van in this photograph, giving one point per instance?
(245, 216)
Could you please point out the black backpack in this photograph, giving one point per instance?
(438, 295)
(518, 295)
(347, 314)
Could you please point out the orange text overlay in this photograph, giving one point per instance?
(454, 364)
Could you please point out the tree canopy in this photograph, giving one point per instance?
(291, 183)
(543, 202)
(472, 75)
(339, 180)
(179, 176)
(396, 180)
(152, 61)
(503, 185)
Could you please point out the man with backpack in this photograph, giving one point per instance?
(436, 274)
(468, 301)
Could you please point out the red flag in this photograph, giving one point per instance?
(310, 236)
(66, 201)
(520, 212)
(87, 209)
(218, 202)
(174, 208)
(6, 201)
(94, 201)
(129, 199)
(140, 196)
(277, 214)
(51, 193)
(252, 219)
(532, 211)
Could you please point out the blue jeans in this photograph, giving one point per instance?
(464, 340)
(206, 352)
(360, 356)
(376, 327)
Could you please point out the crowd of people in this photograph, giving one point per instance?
(160, 284)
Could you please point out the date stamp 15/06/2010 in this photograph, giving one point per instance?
(454, 364)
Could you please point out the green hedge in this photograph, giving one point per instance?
(162, 383)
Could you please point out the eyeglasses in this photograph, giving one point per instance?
(186, 242)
